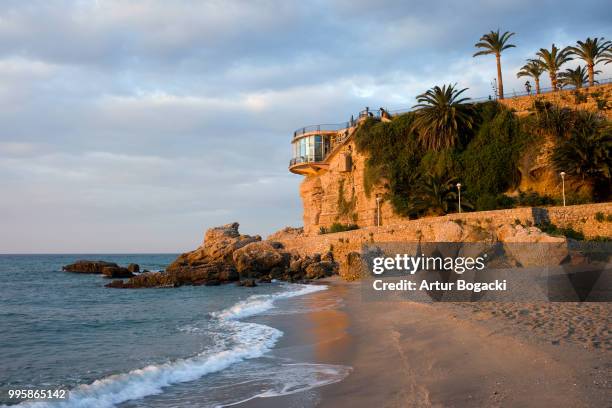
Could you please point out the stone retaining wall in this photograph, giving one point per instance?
(469, 227)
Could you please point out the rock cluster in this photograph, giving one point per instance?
(108, 269)
(227, 256)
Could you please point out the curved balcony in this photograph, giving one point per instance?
(312, 148)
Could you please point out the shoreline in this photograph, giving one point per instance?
(461, 355)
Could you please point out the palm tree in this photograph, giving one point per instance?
(606, 58)
(586, 154)
(494, 43)
(551, 61)
(574, 77)
(441, 115)
(438, 194)
(591, 52)
(532, 69)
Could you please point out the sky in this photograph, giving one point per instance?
(133, 126)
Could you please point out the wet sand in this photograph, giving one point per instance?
(405, 354)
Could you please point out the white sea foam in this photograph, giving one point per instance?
(257, 304)
(249, 340)
(292, 378)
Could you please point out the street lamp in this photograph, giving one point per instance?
(562, 174)
(378, 210)
(459, 189)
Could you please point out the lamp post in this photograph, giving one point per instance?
(562, 174)
(378, 211)
(459, 189)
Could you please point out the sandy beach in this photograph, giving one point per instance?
(405, 354)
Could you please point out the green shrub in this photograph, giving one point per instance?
(602, 104)
(600, 238)
(345, 207)
(485, 160)
(600, 217)
(337, 227)
(489, 163)
(552, 229)
(533, 199)
(486, 202)
(579, 97)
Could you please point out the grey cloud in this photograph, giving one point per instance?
(163, 118)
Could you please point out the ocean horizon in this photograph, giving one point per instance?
(190, 346)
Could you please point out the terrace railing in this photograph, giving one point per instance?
(335, 127)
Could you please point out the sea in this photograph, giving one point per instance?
(193, 346)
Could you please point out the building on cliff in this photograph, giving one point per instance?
(332, 190)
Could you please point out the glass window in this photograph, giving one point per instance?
(318, 147)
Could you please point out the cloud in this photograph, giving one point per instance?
(133, 126)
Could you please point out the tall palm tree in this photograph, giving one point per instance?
(591, 52)
(574, 77)
(494, 43)
(551, 61)
(441, 115)
(532, 69)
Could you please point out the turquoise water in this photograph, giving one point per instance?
(148, 347)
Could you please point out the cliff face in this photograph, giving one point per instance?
(338, 194)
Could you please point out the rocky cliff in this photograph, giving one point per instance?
(337, 194)
(228, 256)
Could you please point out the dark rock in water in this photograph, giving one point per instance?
(213, 282)
(116, 272)
(247, 283)
(134, 268)
(146, 280)
(88, 266)
(118, 283)
(265, 280)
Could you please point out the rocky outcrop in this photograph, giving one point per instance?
(108, 269)
(134, 268)
(227, 256)
(116, 272)
(218, 247)
(518, 242)
(84, 266)
(258, 257)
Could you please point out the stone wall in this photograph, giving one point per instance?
(466, 227)
(567, 99)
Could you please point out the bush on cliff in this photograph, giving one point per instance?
(482, 162)
(489, 163)
(337, 227)
(487, 159)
